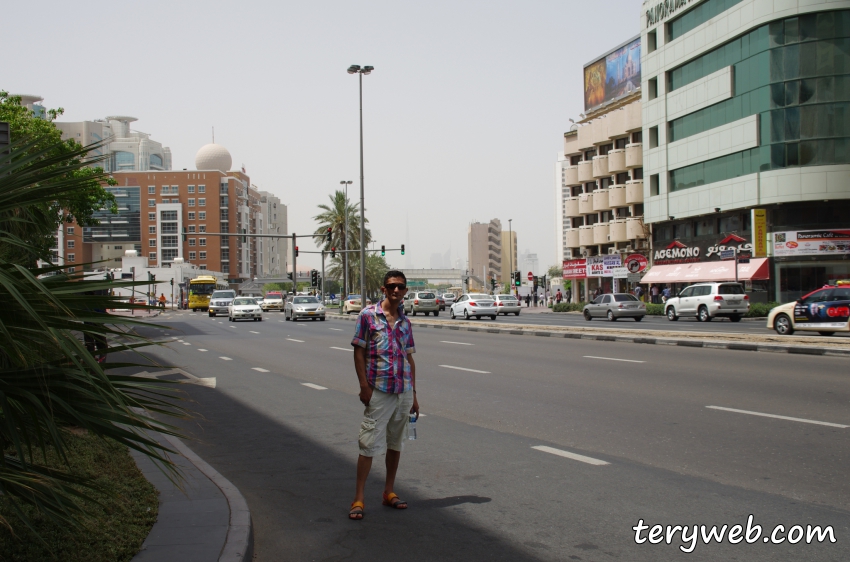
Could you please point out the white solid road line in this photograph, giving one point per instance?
(569, 455)
(253, 332)
(203, 350)
(613, 359)
(225, 358)
(299, 341)
(457, 342)
(259, 369)
(340, 348)
(778, 417)
(311, 385)
(465, 369)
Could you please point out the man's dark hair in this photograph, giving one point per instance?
(394, 273)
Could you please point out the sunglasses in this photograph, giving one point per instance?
(394, 286)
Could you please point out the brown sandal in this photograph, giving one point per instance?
(398, 504)
(356, 515)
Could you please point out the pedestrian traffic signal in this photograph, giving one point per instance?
(296, 251)
(383, 250)
(333, 252)
(402, 249)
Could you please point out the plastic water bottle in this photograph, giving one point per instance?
(411, 428)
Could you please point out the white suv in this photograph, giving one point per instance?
(707, 301)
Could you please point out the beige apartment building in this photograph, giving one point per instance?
(485, 250)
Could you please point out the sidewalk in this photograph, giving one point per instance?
(209, 522)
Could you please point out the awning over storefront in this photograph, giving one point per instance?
(756, 270)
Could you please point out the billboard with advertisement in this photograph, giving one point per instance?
(575, 269)
(812, 243)
(759, 233)
(613, 76)
(603, 266)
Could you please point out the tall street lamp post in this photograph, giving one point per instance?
(355, 69)
(345, 242)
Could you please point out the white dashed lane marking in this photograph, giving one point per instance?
(253, 332)
(225, 358)
(202, 350)
(802, 420)
(457, 342)
(569, 455)
(335, 329)
(340, 348)
(299, 341)
(186, 343)
(465, 369)
(260, 369)
(315, 386)
(613, 359)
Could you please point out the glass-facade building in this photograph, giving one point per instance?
(748, 111)
(123, 227)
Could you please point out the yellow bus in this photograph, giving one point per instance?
(200, 289)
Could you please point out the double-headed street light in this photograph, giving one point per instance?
(345, 241)
(356, 69)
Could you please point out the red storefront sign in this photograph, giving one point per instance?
(575, 269)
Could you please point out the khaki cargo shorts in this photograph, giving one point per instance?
(385, 422)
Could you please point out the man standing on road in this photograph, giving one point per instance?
(383, 359)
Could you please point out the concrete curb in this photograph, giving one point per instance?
(239, 544)
(690, 342)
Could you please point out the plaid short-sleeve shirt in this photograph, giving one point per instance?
(386, 348)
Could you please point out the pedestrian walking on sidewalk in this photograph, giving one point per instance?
(558, 297)
(383, 359)
(527, 301)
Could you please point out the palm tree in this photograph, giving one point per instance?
(49, 381)
(333, 216)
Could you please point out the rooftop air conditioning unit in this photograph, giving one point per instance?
(583, 250)
(612, 251)
(629, 249)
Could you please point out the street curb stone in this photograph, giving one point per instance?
(712, 344)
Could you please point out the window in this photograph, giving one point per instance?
(202, 202)
(151, 202)
(191, 202)
(653, 137)
(202, 215)
(191, 255)
(652, 88)
(156, 161)
(202, 241)
(71, 243)
(168, 228)
(168, 215)
(169, 241)
(225, 254)
(191, 241)
(152, 256)
(694, 18)
(70, 257)
(653, 184)
(637, 137)
(202, 228)
(202, 189)
(191, 189)
(618, 143)
(203, 265)
(191, 215)
(72, 269)
(169, 255)
(151, 190)
(152, 242)
(203, 255)
(225, 268)
(651, 41)
(151, 216)
(191, 228)
(70, 231)
(152, 230)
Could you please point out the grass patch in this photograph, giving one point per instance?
(114, 531)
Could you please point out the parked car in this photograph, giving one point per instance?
(707, 301)
(220, 301)
(508, 304)
(474, 305)
(242, 308)
(824, 311)
(273, 301)
(351, 304)
(421, 301)
(614, 306)
(450, 298)
(303, 307)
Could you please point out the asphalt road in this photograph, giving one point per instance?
(477, 487)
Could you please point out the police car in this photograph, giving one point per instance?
(824, 311)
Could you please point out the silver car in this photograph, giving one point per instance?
(474, 305)
(220, 301)
(449, 298)
(242, 308)
(422, 301)
(614, 306)
(303, 307)
(508, 304)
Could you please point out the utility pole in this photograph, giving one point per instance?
(294, 271)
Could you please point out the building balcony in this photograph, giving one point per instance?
(600, 167)
(634, 192)
(634, 228)
(571, 238)
(634, 155)
(600, 233)
(585, 204)
(617, 196)
(585, 235)
(571, 207)
(617, 161)
(600, 200)
(585, 171)
(618, 231)
(571, 176)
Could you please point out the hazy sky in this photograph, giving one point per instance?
(463, 115)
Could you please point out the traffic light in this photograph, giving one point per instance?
(289, 275)
(518, 280)
(493, 284)
(296, 251)
(314, 278)
(172, 281)
(330, 231)
(402, 249)
(333, 252)
(384, 251)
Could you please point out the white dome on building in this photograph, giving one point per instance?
(213, 157)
